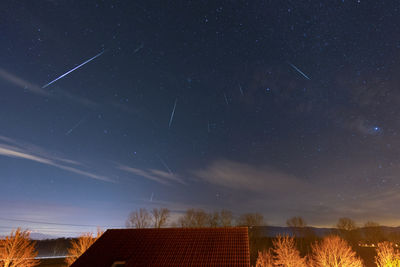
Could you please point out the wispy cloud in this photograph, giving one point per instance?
(22, 83)
(242, 176)
(20, 150)
(154, 175)
(321, 198)
(74, 98)
(35, 89)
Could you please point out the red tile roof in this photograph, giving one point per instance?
(169, 247)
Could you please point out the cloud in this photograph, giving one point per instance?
(35, 89)
(13, 153)
(321, 197)
(154, 175)
(40, 156)
(242, 176)
(74, 98)
(22, 83)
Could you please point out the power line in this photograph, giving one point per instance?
(61, 224)
(43, 230)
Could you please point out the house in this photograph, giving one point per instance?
(169, 247)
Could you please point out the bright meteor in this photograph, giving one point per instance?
(77, 67)
(299, 71)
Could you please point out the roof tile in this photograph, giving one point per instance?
(169, 247)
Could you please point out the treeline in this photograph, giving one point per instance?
(369, 233)
(159, 217)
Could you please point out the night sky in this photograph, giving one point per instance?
(286, 108)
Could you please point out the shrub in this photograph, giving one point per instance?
(18, 250)
(387, 255)
(80, 245)
(333, 251)
(284, 253)
(265, 259)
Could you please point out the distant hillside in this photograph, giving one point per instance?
(36, 236)
(272, 231)
(40, 236)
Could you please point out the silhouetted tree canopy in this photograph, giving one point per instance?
(160, 217)
(348, 229)
(251, 219)
(373, 232)
(195, 218)
(139, 219)
(346, 224)
(226, 218)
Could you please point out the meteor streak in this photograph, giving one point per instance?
(299, 71)
(172, 114)
(165, 165)
(75, 126)
(77, 67)
(240, 88)
(138, 48)
(226, 99)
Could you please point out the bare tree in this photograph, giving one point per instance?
(80, 245)
(387, 255)
(187, 220)
(373, 232)
(226, 218)
(160, 217)
(251, 219)
(214, 219)
(139, 219)
(202, 218)
(195, 218)
(265, 259)
(333, 251)
(297, 225)
(346, 224)
(296, 221)
(18, 250)
(286, 253)
(299, 228)
(348, 229)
